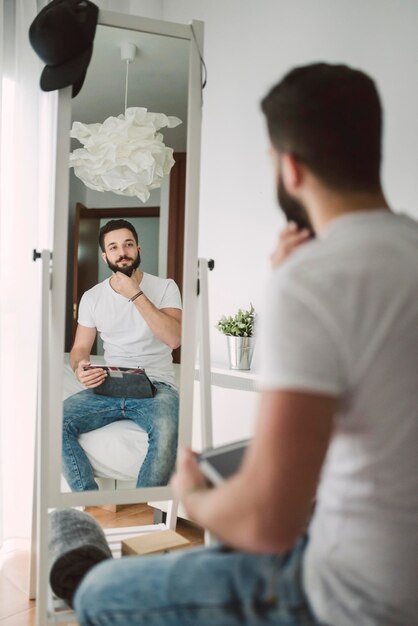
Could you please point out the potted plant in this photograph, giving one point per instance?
(239, 330)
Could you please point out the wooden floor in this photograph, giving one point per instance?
(15, 608)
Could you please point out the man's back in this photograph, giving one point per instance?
(354, 291)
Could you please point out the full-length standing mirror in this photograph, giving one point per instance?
(165, 77)
(120, 454)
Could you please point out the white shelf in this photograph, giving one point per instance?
(222, 376)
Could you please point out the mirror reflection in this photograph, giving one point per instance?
(124, 284)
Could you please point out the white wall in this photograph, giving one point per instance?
(248, 47)
(145, 8)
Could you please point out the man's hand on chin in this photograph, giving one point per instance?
(290, 238)
(124, 285)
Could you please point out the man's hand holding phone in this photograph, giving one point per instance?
(290, 238)
(89, 376)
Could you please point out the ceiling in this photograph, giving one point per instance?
(158, 79)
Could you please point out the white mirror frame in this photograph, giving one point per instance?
(51, 409)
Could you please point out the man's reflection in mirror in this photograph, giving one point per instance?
(138, 317)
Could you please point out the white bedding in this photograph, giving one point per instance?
(115, 451)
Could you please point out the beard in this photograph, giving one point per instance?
(128, 270)
(292, 208)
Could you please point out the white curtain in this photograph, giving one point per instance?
(26, 191)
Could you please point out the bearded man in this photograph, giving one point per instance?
(338, 412)
(138, 317)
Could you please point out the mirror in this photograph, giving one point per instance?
(164, 78)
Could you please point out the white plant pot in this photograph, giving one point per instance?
(240, 352)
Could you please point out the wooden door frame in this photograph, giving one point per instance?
(176, 224)
(175, 252)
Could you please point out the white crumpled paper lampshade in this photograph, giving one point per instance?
(125, 154)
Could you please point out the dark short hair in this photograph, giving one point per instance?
(115, 225)
(330, 118)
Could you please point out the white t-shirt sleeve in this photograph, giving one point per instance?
(299, 343)
(171, 297)
(85, 317)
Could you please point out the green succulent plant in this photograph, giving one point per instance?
(239, 325)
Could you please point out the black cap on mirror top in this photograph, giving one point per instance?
(62, 35)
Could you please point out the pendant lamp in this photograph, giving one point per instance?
(124, 154)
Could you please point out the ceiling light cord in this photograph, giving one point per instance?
(203, 68)
(127, 53)
(126, 83)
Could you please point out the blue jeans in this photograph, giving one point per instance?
(199, 587)
(157, 416)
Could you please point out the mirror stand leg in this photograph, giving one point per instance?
(34, 530)
(33, 558)
(205, 367)
(171, 517)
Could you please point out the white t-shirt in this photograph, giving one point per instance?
(342, 319)
(127, 339)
